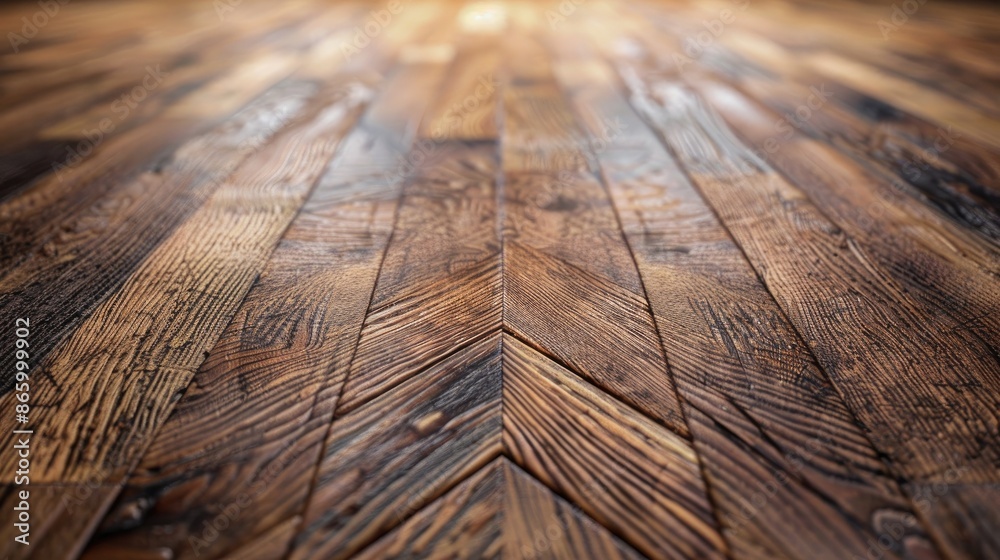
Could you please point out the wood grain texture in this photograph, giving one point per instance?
(481, 279)
(467, 522)
(441, 266)
(632, 476)
(570, 285)
(540, 524)
(262, 198)
(57, 279)
(777, 442)
(499, 512)
(860, 322)
(58, 515)
(386, 459)
(291, 341)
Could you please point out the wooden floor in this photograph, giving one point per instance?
(587, 279)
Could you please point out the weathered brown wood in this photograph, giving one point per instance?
(465, 522)
(632, 476)
(889, 353)
(570, 285)
(123, 381)
(58, 515)
(291, 340)
(60, 197)
(439, 287)
(539, 524)
(777, 443)
(423, 279)
(386, 459)
(499, 512)
(468, 109)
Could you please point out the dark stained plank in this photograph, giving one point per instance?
(905, 369)
(57, 280)
(60, 197)
(928, 177)
(934, 106)
(636, 478)
(875, 130)
(777, 443)
(939, 265)
(967, 511)
(386, 459)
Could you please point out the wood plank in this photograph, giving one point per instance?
(290, 341)
(386, 459)
(499, 511)
(465, 522)
(57, 279)
(57, 514)
(942, 267)
(917, 164)
(636, 478)
(540, 524)
(898, 363)
(439, 287)
(60, 197)
(468, 110)
(539, 133)
(778, 445)
(570, 285)
(119, 373)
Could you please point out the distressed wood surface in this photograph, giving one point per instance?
(477, 279)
